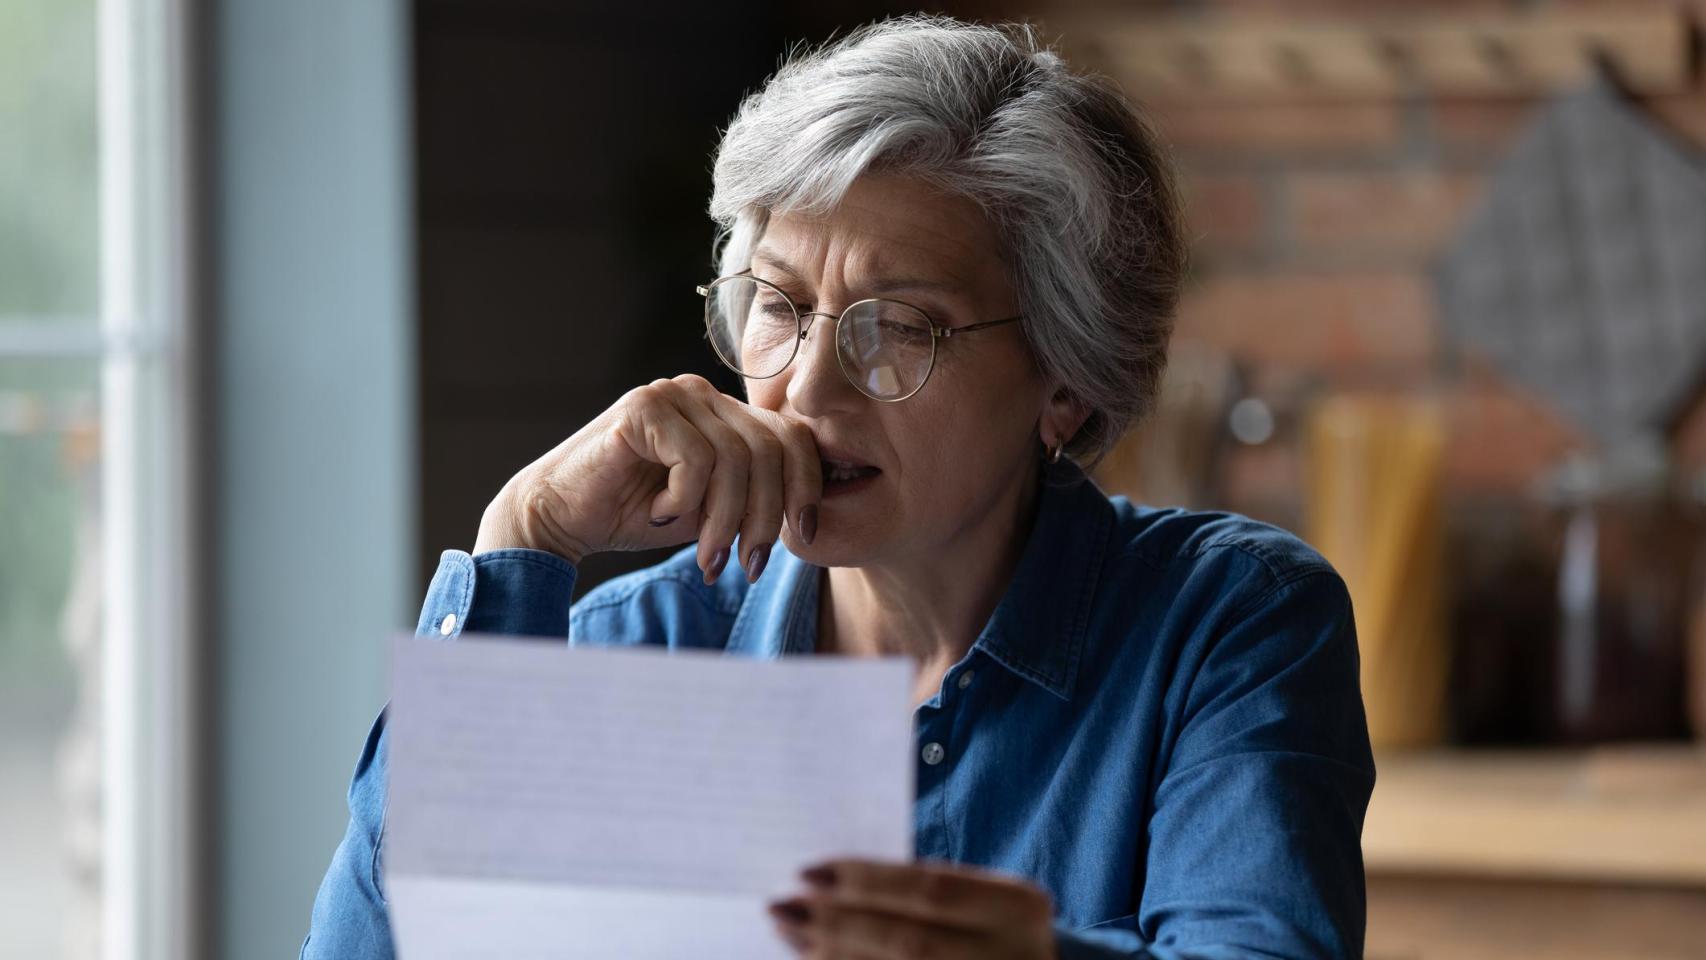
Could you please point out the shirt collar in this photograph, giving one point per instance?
(1039, 627)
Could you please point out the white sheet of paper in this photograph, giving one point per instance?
(548, 801)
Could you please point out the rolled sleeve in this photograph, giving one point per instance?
(514, 592)
(1102, 942)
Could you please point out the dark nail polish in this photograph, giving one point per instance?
(808, 523)
(755, 562)
(793, 910)
(821, 877)
(662, 521)
(719, 560)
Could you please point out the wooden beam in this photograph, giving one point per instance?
(1516, 55)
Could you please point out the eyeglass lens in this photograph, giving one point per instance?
(884, 347)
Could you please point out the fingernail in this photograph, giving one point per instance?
(755, 562)
(793, 910)
(662, 521)
(718, 561)
(821, 877)
(808, 523)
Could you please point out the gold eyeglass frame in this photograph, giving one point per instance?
(937, 333)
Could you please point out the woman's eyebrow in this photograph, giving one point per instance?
(880, 286)
(931, 284)
(774, 261)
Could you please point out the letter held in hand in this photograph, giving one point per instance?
(629, 803)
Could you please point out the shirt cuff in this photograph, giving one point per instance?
(512, 592)
(1099, 943)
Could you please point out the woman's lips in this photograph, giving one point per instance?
(843, 471)
(834, 488)
(844, 476)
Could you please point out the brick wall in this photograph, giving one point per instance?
(1316, 222)
(1316, 226)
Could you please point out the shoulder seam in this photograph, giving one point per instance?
(1247, 547)
(1290, 579)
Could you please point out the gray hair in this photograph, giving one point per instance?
(1076, 184)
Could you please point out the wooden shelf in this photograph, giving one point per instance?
(1623, 814)
(1520, 54)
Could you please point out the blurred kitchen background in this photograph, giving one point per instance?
(288, 290)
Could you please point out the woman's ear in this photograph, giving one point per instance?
(1063, 417)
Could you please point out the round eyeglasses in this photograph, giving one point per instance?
(885, 348)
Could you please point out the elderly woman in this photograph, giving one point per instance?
(947, 273)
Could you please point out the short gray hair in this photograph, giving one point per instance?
(1074, 180)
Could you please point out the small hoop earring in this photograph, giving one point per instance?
(1052, 454)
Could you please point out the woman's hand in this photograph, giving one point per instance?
(669, 462)
(868, 910)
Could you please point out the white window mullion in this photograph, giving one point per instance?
(121, 738)
(167, 574)
(118, 826)
(147, 485)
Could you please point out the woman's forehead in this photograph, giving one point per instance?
(885, 226)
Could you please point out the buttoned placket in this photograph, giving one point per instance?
(934, 723)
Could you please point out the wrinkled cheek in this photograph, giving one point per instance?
(766, 394)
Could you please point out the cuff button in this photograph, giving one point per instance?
(447, 626)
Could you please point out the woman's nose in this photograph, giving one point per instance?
(817, 386)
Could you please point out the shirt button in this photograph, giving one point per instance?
(447, 625)
(933, 753)
(965, 679)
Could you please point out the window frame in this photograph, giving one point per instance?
(145, 345)
(149, 387)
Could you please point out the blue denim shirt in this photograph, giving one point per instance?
(1161, 724)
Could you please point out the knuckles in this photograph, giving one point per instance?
(766, 438)
(690, 383)
(694, 384)
(649, 395)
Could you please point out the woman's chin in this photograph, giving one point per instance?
(828, 549)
